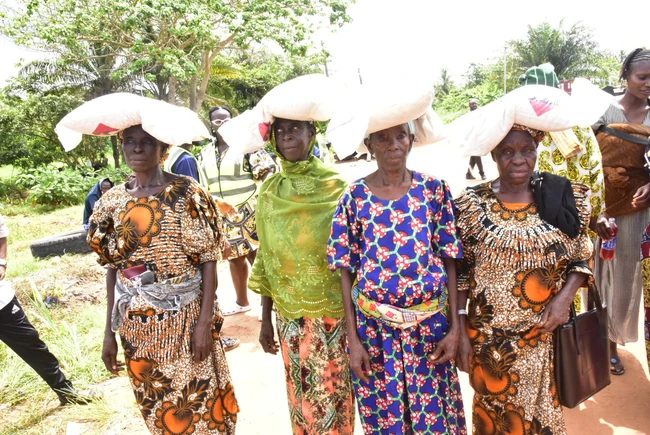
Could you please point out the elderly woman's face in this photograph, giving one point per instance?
(638, 80)
(516, 156)
(142, 151)
(391, 146)
(293, 138)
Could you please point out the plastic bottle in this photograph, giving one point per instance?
(608, 247)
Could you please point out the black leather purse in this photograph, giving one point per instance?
(581, 353)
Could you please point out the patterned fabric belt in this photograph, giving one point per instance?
(401, 318)
(167, 295)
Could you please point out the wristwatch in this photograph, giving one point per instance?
(462, 312)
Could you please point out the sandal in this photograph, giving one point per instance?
(617, 366)
(229, 343)
(236, 309)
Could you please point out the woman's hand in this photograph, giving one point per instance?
(201, 341)
(465, 353)
(227, 250)
(446, 348)
(109, 354)
(359, 360)
(604, 230)
(267, 338)
(641, 197)
(555, 314)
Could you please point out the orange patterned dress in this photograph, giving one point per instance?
(173, 233)
(514, 264)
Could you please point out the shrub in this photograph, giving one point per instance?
(54, 186)
(12, 190)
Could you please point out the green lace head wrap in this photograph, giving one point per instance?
(294, 218)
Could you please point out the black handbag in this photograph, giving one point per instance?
(581, 353)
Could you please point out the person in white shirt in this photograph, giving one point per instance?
(20, 335)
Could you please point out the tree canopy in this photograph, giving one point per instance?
(167, 42)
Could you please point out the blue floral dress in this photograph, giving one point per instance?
(396, 249)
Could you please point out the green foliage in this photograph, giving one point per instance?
(56, 185)
(456, 103)
(49, 185)
(573, 52)
(445, 84)
(258, 73)
(27, 122)
(169, 43)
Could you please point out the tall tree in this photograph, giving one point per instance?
(445, 83)
(171, 41)
(90, 73)
(569, 50)
(258, 72)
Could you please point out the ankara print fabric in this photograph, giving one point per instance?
(513, 266)
(174, 232)
(645, 275)
(586, 167)
(176, 395)
(396, 249)
(317, 369)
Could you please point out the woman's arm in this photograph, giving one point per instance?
(557, 311)
(447, 347)
(202, 333)
(359, 358)
(109, 349)
(267, 334)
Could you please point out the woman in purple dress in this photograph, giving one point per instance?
(394, 234)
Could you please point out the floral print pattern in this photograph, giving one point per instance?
(396, 250)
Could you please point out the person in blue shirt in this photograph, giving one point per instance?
(95, 193)
(182, 162)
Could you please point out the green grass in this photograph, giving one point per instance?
(28, 224)
(72, 330)
(8, 171)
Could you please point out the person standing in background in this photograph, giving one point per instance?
(474, 160)
(233, 178)
(627, 199)
(95, 193)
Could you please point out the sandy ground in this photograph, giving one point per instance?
(620, 409)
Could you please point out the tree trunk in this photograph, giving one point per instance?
(206, 66)
(193, 104)
(171, 98)
(116, 151)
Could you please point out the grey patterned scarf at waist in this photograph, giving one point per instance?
(165, 296)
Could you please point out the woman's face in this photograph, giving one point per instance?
(515, 157)
(391, 147)
(142, 151)
(638, 80)
(293, 138)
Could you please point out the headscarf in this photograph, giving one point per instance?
(538, 135)
(294, 219)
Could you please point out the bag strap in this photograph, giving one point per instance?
(625, 136)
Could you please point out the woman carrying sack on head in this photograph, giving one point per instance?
(159, 236)
(623, 133)
(294, 213)
(527, 252)
(394, 239)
